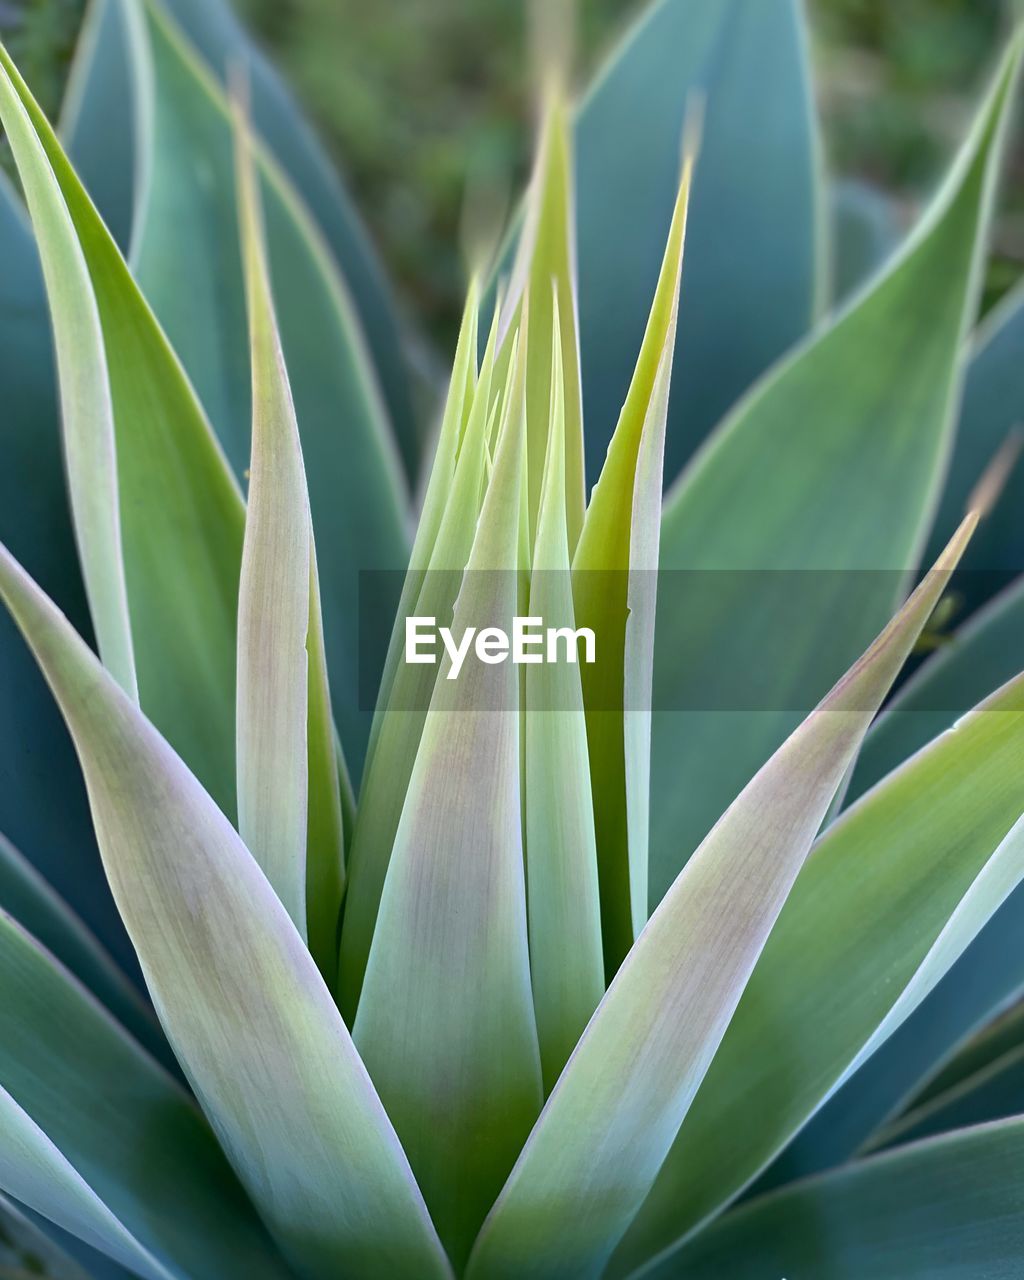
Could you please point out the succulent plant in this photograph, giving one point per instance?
(665, 957)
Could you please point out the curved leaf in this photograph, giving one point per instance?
(979, 657)
(944, 1210)
(88, 424)
(186, 260)
(612, 1118)
(26, 896)
(95, 1137)
(776, 512)
(181, 513)
(891, 896)
(238, 994)
(993, 406)
(37, 761)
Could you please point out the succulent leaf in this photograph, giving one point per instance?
(185, 257)
(546, 255)
(566, 956)
(237, 992)
(937, 849)
(92, 1138)
(430, 590)
(615, 1112)
(37, 760)
(615, 562)
(756, 229)
(181, 513)
(446, 1022)
(88, 415)
(766, 508)
(932, 1211)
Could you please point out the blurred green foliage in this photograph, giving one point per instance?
(418, 97)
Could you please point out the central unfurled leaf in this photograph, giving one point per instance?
(442, 548)
(566, 959)
(611, 1119)
(614, 570)
(238, 994)
(544, 280)
(446, 1022)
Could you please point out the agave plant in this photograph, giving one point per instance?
(673, 962)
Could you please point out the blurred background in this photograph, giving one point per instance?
(405, 91)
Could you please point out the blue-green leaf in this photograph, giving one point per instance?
(993, 406)
(755, 259)
(952, 1209)
(26, 896)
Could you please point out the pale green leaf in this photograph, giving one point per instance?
(37, 760)
(181, 513)
(546, 256)
(976, 660)
(89, 444)
(430, 591)
(605, 569)
(612, 1118)
(274, 592)
(446, 1022)
(893, 893)
(238, 994)
(944, 1210)
(564, 908)
(831, 464)
(185, 257)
